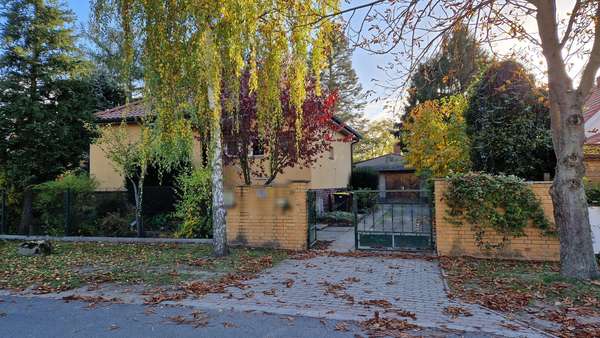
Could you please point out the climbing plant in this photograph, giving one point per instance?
(502, 203)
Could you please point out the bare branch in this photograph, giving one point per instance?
(587, 77)
(570, 24)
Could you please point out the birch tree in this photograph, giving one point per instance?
(131, 155)
(192, 50)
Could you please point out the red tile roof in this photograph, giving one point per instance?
(136, 109)
(129, 111)
(591, 116)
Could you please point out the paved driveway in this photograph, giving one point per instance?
(397, 217)
(351, 288)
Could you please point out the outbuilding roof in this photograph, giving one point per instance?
(388, 162)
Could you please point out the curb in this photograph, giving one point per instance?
(108, 239)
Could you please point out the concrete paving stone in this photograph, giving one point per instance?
(417, 287)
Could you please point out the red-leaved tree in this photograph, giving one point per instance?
(267, 152)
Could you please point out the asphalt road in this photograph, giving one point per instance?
(41, 317)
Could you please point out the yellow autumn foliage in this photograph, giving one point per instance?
(436, 139)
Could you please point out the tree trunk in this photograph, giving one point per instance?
(218, 210)
(568, 196)
(139, 220)
(137, 196)
(245, 166)
(577, 258)
(26, 224)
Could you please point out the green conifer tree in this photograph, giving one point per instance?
(340, 76)
(44, 105)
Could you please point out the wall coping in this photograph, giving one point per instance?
(275, 185)
(443, 179)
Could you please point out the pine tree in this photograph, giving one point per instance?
(449, 72)
(106, 51)
(43, 105)
(340, 76)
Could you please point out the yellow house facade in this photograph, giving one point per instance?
(331, 170)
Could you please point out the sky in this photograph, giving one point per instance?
(364, 64)
(367, 65)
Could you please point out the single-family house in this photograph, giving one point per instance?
(331, 171)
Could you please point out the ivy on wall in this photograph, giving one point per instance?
(505, 204)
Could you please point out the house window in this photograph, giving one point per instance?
(231, 148)
(257, 148)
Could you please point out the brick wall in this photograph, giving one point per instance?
(269, 216)
(592, 168)
(459, 240)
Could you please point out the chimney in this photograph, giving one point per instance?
(398, 148)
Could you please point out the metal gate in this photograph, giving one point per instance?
(392, 219)
(311, 213)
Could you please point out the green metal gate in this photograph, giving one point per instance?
(311, 211)
(392, 219)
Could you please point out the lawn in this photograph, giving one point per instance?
(76, 264)
(536, 289)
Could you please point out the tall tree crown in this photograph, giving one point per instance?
(339, 75)
(43, 107)
(508, 122)
(449, 72)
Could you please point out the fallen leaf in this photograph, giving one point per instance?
(229, 325)
(377, 302)
(456, 311)
(341, 326)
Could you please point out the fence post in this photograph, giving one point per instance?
(355, 212)
(67, 209)
(3, 227)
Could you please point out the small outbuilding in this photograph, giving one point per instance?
(393, 172)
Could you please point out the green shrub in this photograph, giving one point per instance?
(592, 192)
(49, 203)
(366, 199)
(337, 217)
(194, 205)
(364, 178)
(116, 223)
(165, 223)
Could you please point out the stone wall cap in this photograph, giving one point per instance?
(445, 179)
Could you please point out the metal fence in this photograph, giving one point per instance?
(98, 213)
(393, 219)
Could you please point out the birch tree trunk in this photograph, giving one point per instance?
(218, 206)
(218, 210)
